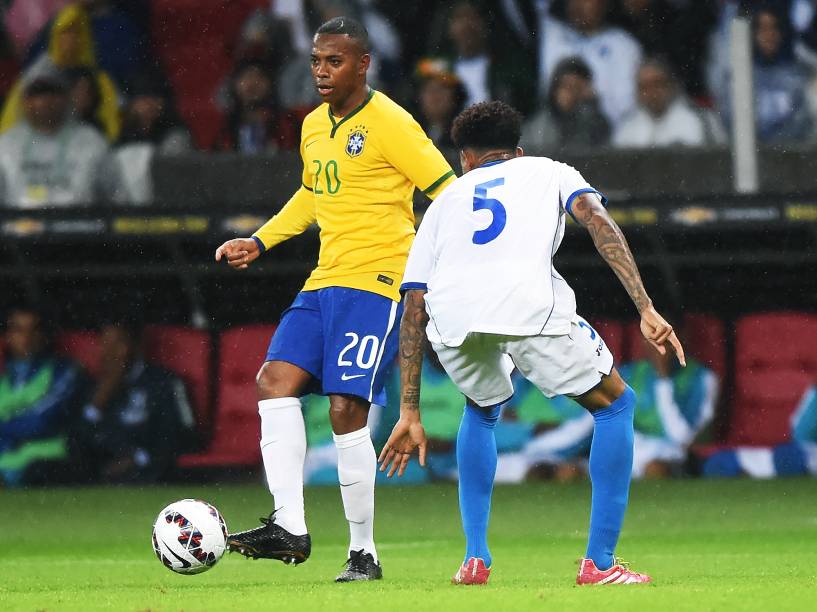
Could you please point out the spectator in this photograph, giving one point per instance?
(571, 116)
(780, 81)
(441, 98)
(612, 54)
(85, 96)
(38, 397)
(253, 122)
(120, 45)
(265, 38)
(70, 46)
(49, 159)
(675, 31)
(674, 405)
(664, 116)
(138, 418)
(796, 458)
(488, 64)
(150, 127)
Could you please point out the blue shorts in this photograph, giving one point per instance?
(345, 338)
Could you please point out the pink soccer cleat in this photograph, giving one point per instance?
(472, 571)
(620, 573)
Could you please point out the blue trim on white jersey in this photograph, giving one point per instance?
(577, 193)
(493, 162)
(407, 286)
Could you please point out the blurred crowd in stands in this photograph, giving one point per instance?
(93, 89)
(128, 403)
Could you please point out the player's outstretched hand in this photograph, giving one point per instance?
(239, 252)
(659, 333)
(407, 435)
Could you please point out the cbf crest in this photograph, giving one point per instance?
(356, 141)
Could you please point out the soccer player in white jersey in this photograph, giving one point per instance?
(481, 287)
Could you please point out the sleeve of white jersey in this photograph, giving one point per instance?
(421, 256)
(571, 185)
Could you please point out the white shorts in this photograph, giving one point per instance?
(571, 364)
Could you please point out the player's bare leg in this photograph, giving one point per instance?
(611, 462)
(357, 465)
(283, 535)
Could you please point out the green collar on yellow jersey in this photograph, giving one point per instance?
(336, 125)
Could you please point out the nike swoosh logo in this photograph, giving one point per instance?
(345, 376)
(185, 563)
(309, 144)
(350, 484)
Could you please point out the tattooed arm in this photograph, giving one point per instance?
(413, 343)
(589, 212)
(408, 432)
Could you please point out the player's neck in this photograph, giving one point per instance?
(354, 100)
(492, 156)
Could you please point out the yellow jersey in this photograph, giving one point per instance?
(359, 175)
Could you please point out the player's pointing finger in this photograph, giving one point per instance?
(679, 350)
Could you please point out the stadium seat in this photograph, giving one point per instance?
(237, 432)
(197, 64)
(775, 361)
(81, 346)
(187, 353)
(706, 337)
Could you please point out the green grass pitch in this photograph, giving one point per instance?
(710, 545)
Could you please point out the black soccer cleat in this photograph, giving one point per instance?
(271, 541)
(360, 566)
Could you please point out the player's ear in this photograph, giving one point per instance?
(464, 163)
(365, 61)
(520, 152)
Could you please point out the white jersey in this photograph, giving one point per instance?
(484, 251)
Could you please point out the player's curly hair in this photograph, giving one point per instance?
(487, 125)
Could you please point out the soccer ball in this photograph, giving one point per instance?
(189, 536)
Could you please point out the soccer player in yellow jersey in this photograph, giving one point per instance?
(363, 156)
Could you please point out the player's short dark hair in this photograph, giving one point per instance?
(487, 125)
(348, 26)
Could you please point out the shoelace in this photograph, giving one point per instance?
(622, 563)
(355, 560)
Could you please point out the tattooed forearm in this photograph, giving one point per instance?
(612, 246)
(412, 346)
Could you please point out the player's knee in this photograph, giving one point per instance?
(270, 384)
(347, 414)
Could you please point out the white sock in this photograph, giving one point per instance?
(283, 446)
(357, 465)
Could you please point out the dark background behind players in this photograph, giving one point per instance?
(195, 88)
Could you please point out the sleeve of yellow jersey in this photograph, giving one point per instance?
(296, 215)
(412, 153)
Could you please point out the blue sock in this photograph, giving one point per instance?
(476, 461)
(611, 462)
